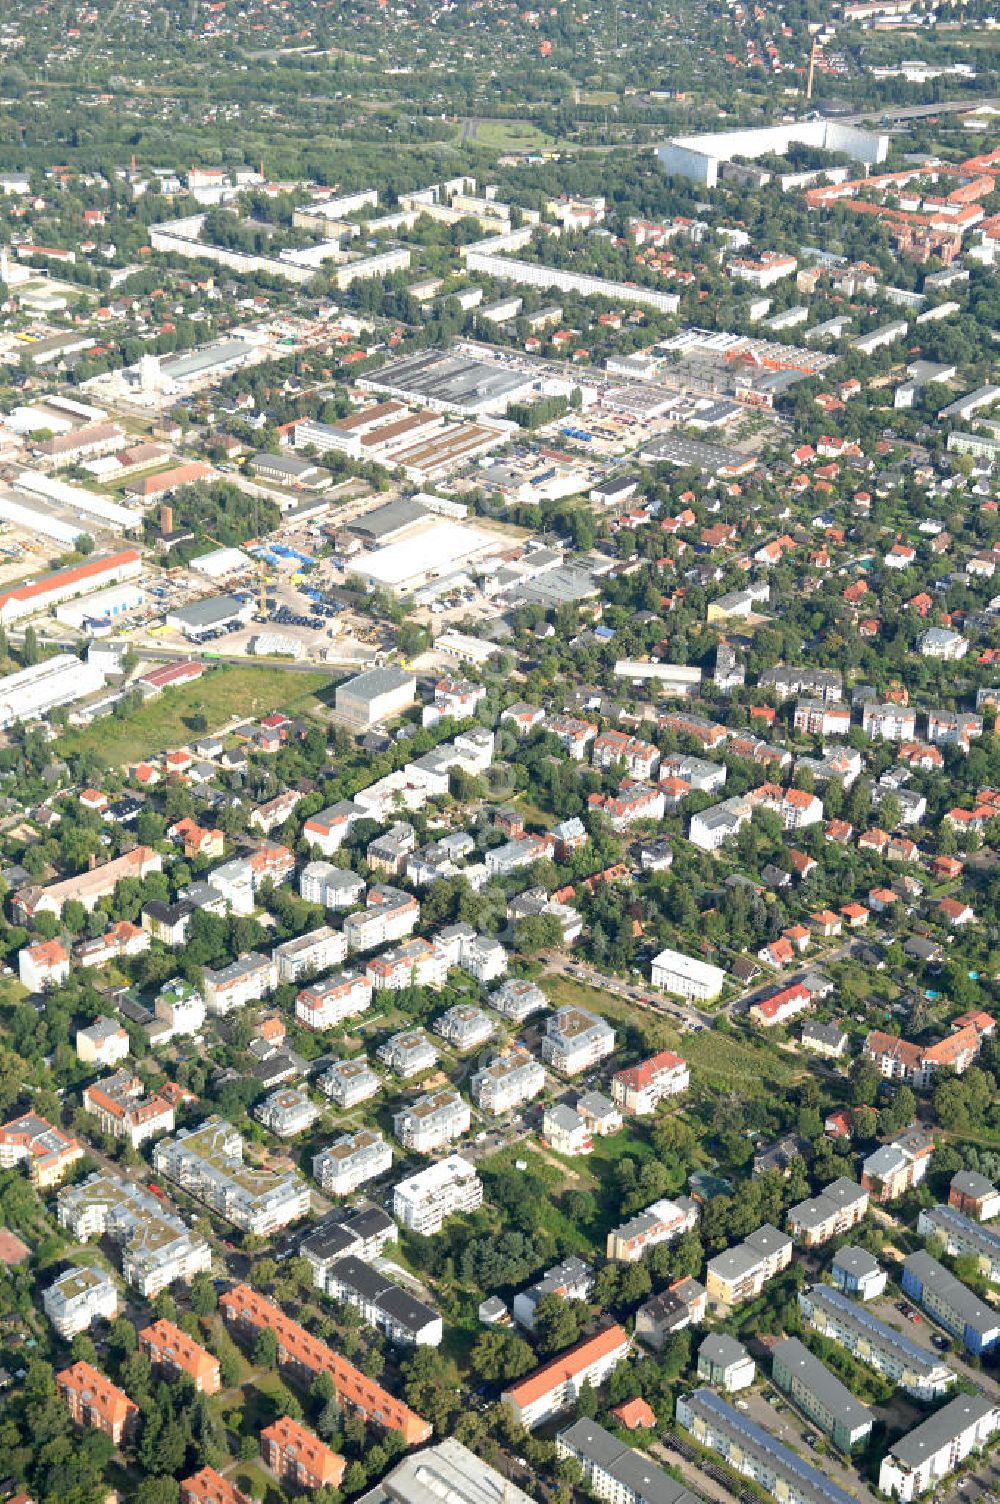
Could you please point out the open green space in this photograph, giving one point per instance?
(220, 695)
(510, 135)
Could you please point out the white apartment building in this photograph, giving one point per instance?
(553, 1388)
(465, 1027)
(349, 1082)
(208, 1163)
(157, 1247)
(389, 915)
(412, 963)
(287, 1112)
(124, 1111)
(324, 1004)
(575, 1040)
(179, 1009)
(310, 955)
(685, 976)
(639, 1089)
(422, 1202)
(245, 980)
(408, 1053)
(933, 1450)
(432, 1121)
(517, 999)
(352, 1160)
(892, 723)
(507, 1082)
(78, 1298)
(333, 887)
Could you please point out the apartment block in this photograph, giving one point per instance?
(431, 1121)
(974, 1196)
(517, 999)
(157, 1247)
(423, 1201)
(555, 1386)
(352, 1160)
(325, 1004)
(872, 1342)
(615, 1473)
(753, 1452)
(394, 1311)
(124, 1111)
(173, 1352)
(839, 1206)
(364, 1231)
(245, 980)
(575, 1040)
(570, 1280)
(817, 1392)
(334, 888)
(93, 1401)
(208, 1163)
(893, 1169)
(685, 976)
(933, 1450)
(287, 1111)
(465, 1027)
(47, 1151)
(959, 1311)
(409, 1053)
(857, 1272)
(962, 1235)
(298, 1458)
(79, 1297)
(508, 1081)
(310, 955)
(389, 915)
(741, 1272)
(639, 1089)
(306, 1356)
(210, 1487)
(662, 1222)
(349, 1082)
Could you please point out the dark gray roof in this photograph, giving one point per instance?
(639, 1477)
(938, 1430)
(821, 1383)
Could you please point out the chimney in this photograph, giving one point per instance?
(166, 518)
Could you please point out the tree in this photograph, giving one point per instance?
(157, 1490)
(265, 1349)
(204, 1300)
(557, 1323)
(501, 1357)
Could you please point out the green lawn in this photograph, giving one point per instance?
(726, 1062)
(566, 991)
(510, 135)
(219, 695)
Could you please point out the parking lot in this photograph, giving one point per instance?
(770, 1409)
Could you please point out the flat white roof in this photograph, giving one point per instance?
(437, 549)
(690, 968)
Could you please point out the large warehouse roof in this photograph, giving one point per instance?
(435, 551)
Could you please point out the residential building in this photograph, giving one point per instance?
(517, 999)
(857, 1272)
(895, 1168)
(750, 1450)
(124, 1111)
(423, 1201)
(333, 887)
(93, 1401)
(326, 1003)
(509, 1080)
(641, 759)
(352, 1160)
(917, 1065)
(575, 1040)
(43, 966)
(741, 1272)
(173, 1352)
(839, 1206)
(389, 915)
(639, 1089)
(306, 1356)
(298, 1459)
(48, 1152)
(414, 963)
(388, 852)
(157, 1247)
(687, 977)
(555, 1387)
(169, 923)
(820, 1395)
(311, 954)
(951, 1303)
(409, 1053)
(725, 1362)
(210, 1487)
(88, 887)
(933, 1450)
(349, 1082)
(662, 1222)
(179, 1010)
(616, 1473)
(879, 1346)
(394, 1311)
(961, 1235)
(565, 1131)
(570, 1280)
(465, 1027)
(682, 1305)
(828, 1040)
(243, 981)
(79, 1297)
(974, 1196)
(104, 1042)
(432, 1121)
(287, 1112)
(208, 1163)
(364, 1231)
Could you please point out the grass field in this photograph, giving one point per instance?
(565, 991)
(220, 695)
(729, 1063)
(510, 135)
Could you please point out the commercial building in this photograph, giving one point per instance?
(686, 977)
(556, 1386)
(352, 1160)
(298, 1458)
(95, 1402)
(213, 614)
(30, 693)
(397, 1313)
(878, 1346)
(78, 1298)
(157, 1247)
(208, 1163)
(173, 1352)
(741, 1272)
(48, 1151)
(959, 1311)
(616, 1473)
(933, 1450)
(433, 1120)
(375, 696)
(820, 1395)
(839, 1206)
(575, 1040)
(306, 1356)
(753, 1452)
(962, 1235)
(422, 1202)
(508, 1081)
(79, 579)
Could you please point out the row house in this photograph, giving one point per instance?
(432, 1121)
(351, 1161)
(326, 1003)
(305, 1356)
